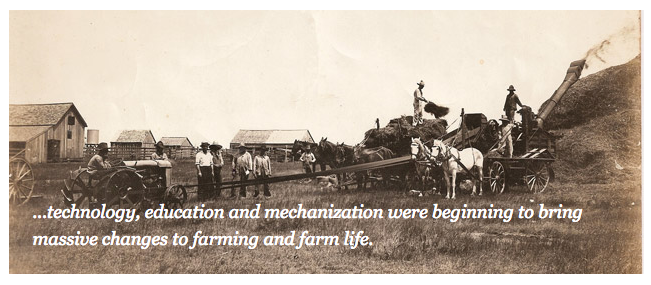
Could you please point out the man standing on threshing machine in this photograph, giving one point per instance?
(419, 103)
(203, 160)
(262, 170)
(510, 103)
(506, 138)
(160, 152)
(243, 164)
(217, 164)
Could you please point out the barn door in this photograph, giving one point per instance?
(53, 150)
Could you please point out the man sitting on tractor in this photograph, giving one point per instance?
(99, 162)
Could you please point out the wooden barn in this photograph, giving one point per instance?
(46, 132)
(133, 144)
(178, 147)
(271, 138)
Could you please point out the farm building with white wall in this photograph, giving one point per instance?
(46, 132)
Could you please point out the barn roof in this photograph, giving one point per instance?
(133, 136)
(41, 114)
(25, 133)
(272, 136)
(175, 141)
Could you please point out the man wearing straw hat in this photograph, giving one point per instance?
(510, 104)
(160, 152)
(419, 102)
(203, 161)
(506, 139)
(217, 164)
(242, 164)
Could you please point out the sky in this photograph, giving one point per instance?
(207, 74)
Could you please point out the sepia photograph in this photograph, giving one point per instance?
(325, 142)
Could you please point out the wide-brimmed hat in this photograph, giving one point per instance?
(160, 144)
(421, 83)
(511, 88)
(216, 144)
(205, 144)
(102, 146)
(242, 145)
(504, 118)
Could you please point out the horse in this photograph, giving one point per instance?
(299, 147)
(349, 155)
(454, 161)
(328, 151)
(372, 155)
(423, 167)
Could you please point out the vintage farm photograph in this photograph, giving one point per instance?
(141, 112)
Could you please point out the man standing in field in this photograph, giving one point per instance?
(217, 164)
(262, 170)
(243, 164)
(203, 161)
(419, 102)
(308, 160)
(510, 104)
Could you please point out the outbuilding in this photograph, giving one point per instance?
(46, 132)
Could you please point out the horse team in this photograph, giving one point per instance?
(433, 163)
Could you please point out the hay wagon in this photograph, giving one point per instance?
(132, 184)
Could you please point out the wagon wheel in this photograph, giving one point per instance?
(81, 193)
(497, 177)
(21, 181)
(175, 197)
(537, 176)
(123, 189)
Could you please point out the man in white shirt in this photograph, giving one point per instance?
(203, 161)
(506, 139)
(242, 164)
(419, 103)
(308, 160)
(262, 170)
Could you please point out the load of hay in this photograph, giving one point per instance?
(397, 134)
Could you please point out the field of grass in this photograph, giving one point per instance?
(607, 239)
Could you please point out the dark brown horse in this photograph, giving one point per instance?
(349, 155)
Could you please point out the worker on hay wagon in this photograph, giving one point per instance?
(419, 103)
(262, 170)
(242, 164)
(159, 154)
(510, 104)
(506, 139)
(203, 161)
(217, 164)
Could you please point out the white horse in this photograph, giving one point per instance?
(452, 160)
